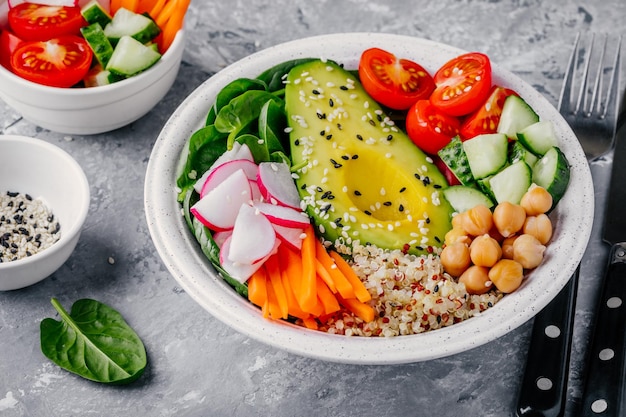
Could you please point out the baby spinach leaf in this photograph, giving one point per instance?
(273, 77)
(93, 341)
(272, 124)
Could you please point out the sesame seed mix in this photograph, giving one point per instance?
(26, 226)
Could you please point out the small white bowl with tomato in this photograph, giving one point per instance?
(59, 78)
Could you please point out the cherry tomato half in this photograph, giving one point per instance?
(8, 44)
(429, 128)
(59, 62)
(37, 22)
(395, 83)
(485, 119)
(463, 83)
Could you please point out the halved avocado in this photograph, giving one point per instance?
(360, 176)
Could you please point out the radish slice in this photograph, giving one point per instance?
(282, 215)
(253, 236)
(218, 209)
(238, 151)
(219, 174)
(277, 185)
(256, 192)
(240, 271)
(290, 236)
(220, 237)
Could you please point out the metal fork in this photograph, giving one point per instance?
(591, 111)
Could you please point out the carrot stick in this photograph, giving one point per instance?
(257, 291)
(165, 13)
(129, 5)
(273, 272)
(156, 8)
(362, 310)
(288, 265)
(114, 6)
(307, 295)
(324, 275)
(272, 304)
(360, 291)
(326, 297)
(310, 323)
(341, 282)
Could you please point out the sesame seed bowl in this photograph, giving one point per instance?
(183, 257)
(44, 200)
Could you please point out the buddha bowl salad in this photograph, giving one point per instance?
(88, 43)
(379, 202)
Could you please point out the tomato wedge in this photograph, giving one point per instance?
(485, 119)
(59, 62)
(429, 128)
(395, 83)
(463, 84)
(38, 22)
(8, 44)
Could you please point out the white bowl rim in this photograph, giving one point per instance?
(76, 227)
(193, 273)
(102, 89)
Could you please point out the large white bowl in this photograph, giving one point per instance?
(86, 111)
(182, 256)
(42, 170)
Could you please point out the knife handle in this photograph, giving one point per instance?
(544, 383)
(605, 369)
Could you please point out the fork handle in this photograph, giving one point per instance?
(605, 369)
(544, 383)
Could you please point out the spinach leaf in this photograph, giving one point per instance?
(257, 147)
(241, 111)
(273, 77)
(93, 341)
(272, 124)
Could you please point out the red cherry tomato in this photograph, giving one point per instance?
(447, 173)
(429, 128)
(463, 83)
(37, 22)
(59, 62)
(8, 44)
(485, 119)
(395, 83)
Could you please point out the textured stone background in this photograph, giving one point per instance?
(200, 367)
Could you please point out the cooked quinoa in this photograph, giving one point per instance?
(410, 294)
(26, 226)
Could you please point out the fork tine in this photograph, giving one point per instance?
(613, 90)
(565, 98)
(582, 97)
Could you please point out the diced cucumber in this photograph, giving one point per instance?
(518, 152)
(93, 12)
(511, 183)
(127, 23)
(486, 153)
(131, 57)
(552, 172)
(516, 115)
(463, 198)
(98, 42)
(98, 76)
(455, 159)
(538, 137)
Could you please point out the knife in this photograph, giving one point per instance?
(604, 384)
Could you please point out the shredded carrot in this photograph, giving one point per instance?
(362, 310)
(360, 291)
(257, 292)
(326, 297)
(273, 272)
(324, 275)
(342, 284)
(307, 296)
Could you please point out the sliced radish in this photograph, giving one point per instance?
(220, 237)
(240, 271)
(253, 236)
(219, 174)
(238, 151)
(256, 192)
(282, 215)
(277, 185)
(290, 236)
(218, 209)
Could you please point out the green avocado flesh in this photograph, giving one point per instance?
(360, 176)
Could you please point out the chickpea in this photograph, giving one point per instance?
(528, 251)
(495, 233)
(455, 258)
(457, 234)
(478, 220)
(485, 251)
(507, 275)
(539, 226)
(507, 247)
(476, 279)
(509, 218)
(536, 200)
(457, 220)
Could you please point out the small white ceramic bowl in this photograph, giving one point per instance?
(183, 257)
(86, 111)
(35, 167)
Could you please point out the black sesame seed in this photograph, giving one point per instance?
(387, 203)
(339, 126)
(296, 142)
(335, 163)
(390, 137)
(403, 189)
(345, 157)
(321, 116)
(418, 176)
(331, 103)
(316, 92)
(436, 186)
(343, 87)
(322, 132)
(401, 207)
(359, 137)
(355, 156)
(373, 123)
(357, 192)
(326, 194)
(329, 137)
(437, 239)
(369, 213)
(379, 117)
